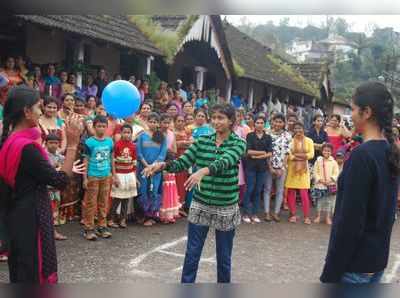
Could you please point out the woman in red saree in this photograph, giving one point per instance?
(25, 173)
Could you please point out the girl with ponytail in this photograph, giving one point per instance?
(25, 173)
(367, 192)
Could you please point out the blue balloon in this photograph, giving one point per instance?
(121, 99)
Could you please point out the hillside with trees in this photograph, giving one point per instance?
(376, 56)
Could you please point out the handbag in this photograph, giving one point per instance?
(318, 194)
(332, 189)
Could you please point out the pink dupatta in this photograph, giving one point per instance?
(10, 158)
(11, 152)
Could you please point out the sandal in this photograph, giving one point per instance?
(148, 223)
(307, 221)
(113, 225)
(293, 219)
(89, 235)
(58, 236)
(123, 224)
(3, 258)
(183, 213)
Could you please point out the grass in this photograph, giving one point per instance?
(239, 71)
(166, 40)
(283, 68)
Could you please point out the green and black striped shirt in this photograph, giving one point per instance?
(220, 188)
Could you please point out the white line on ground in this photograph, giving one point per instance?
(172, 253)
(142, 273)
(136, 261)
(389, 277)
(205, 260)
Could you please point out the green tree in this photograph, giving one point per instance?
(284, 22)
(341, 26)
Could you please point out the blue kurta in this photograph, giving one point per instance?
(150, 188)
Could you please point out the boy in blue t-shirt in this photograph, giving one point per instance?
(97, 182)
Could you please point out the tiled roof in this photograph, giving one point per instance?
(258, 63)
(114, 29)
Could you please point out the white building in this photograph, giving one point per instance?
(300, 49)
(339, 46)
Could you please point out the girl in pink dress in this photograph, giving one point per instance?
(170, 204)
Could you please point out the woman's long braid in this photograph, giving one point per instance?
(385, 122)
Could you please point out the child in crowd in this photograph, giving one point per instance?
(56, 160)
(124, 188)
(170, 204)
(151, 148)
(340, 156)
(99, 164)
(326, 172)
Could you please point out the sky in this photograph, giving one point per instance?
(358, 23)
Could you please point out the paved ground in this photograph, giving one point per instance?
(266, 252)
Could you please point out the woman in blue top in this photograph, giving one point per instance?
(151, 147)
(365, 208)
(201, 128)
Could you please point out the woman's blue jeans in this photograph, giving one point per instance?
(362, 278)
(254, 184)
(197, 235)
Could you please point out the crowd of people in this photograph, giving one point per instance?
(283, 163)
